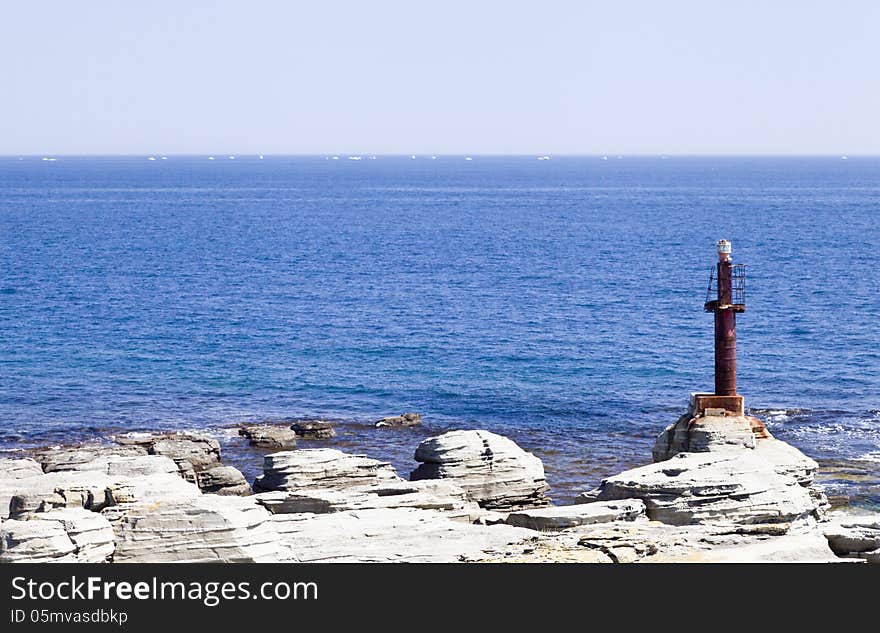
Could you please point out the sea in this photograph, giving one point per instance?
(558, 301)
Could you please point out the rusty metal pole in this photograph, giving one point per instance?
(725, 326)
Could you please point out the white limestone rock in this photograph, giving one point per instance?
(18, 469)
(494, 471)
(209, 528)
(390, 535)
(561, 517)
(855, 536)
(90, 533)
(787, 460)
(84, 488)
(808, 547)
(167, 488)
(200, 451)
(439, 495)
(84, 457)
(35, 542)
(321, 469)
(223, 480)
(738, 487)
(704, 434)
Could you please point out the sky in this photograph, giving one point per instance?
(441, 77)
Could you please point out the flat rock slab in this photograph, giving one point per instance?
(855, 536)
(736, 487)
(85, 457)
(321, 468)
(789, 548)
(19, 469)
(208, 529)
(390, 535)
(561, 517)
(495, 472)
(442, 496)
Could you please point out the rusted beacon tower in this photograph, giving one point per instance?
(728, 280)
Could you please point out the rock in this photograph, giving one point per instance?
(590, 496)
(35, 542)
(269, 436)
(321, 468)
(398, 421)
(495, 472)
(787, 460)
(790, 548)
(855, 536)
(437, 495)
(223, 480)
(75, 487)
(313, 429)
(210, 528)
(90, 533)
(738, 487)
(199, 452)
(390, 535)
(22, 505)
(18, 469)
(85, 457)
(561, 517)
(165, 488)
(704, 434)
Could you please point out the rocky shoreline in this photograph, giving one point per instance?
(721, 488)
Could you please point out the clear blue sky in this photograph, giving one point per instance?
(378, 76)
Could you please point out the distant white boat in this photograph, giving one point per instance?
(50, 160)
(373, 157)
(354, 158)
(413, 156)
(468, 158)
(844, 158)
(543, 157)
(336, 158)
(164, 158)
(151, 158)
(210, 158)
(433, 158)
(261, 157)
(232, 158)
(604, 158)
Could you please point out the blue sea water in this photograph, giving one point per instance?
(558, 302)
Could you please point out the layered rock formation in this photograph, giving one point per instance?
(223, 480)
(390, 535)
(721, 469)
(855, 536)
(561, 517)
(58, 535)
(725, 487)
(191, 452)
(321, 468)
(495, 472)
(209, 528)
(442, 496)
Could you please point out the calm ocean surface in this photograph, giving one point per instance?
(558, 302)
